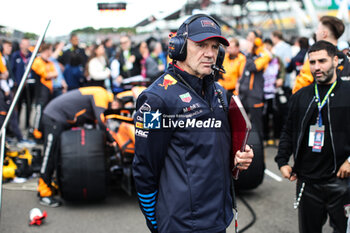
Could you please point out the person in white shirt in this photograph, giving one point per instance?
(98, 74)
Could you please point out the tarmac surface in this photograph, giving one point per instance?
(272, 203)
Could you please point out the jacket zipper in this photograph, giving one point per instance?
(331, 134)
(302, 128)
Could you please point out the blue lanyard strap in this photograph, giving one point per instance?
(320, 103)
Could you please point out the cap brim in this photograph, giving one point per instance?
(206, 36)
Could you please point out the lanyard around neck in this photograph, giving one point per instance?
(320, 103)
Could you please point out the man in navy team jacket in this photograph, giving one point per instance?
(183, 141)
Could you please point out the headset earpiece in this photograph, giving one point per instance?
(177, 48)
(220, 59)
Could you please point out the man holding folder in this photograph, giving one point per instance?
(183, 145)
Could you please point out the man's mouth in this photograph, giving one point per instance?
(319, 74)
(207, 63)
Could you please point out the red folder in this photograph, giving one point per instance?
(240, 128)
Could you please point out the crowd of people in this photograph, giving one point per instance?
(61, 67)
(85, 77)
(265, 90)
(267, 71)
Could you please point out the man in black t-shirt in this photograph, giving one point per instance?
(73, 48)
(317, 134)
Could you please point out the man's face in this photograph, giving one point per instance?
(200, 57)
(74, 41)
(46, 54)
(7, 48)
(251, 37)
(233, 49)
(322, 67)
(125, 43)
(24, 45)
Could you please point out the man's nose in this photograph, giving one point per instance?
(210, 52)
(317, 66)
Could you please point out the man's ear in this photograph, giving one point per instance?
(335, 61)
(324, 34)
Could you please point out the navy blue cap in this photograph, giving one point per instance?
(203, 28)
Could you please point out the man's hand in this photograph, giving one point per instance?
(111, 144)
(344, 170)
(4, 75)
(286, 171)
(244, 159)
(279, 82)
(119, 79)
(132, 59)
(64, 86)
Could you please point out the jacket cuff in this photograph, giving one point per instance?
(281, 163)
(148, 203)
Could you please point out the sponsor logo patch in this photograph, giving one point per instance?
(139, 125)
(168, 81)
(145, 108)
(208, 23)
(139, 118)
(186, 97)
(191, 107)
(141, 133)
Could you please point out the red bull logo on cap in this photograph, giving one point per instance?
(168, 81)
